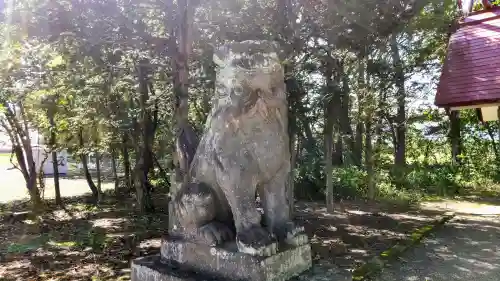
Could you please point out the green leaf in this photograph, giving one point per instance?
(57, 61)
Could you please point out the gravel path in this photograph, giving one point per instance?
(467, 248)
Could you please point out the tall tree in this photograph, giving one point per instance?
(181, 44)
(53, 148)
(454, 136)
(146, 127)
(330, 106)
(399, 81)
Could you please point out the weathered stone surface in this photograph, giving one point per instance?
(244, 149)
(217, 231)
(150, 268)
(187, 261)
(228, 263)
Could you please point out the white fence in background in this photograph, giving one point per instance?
(39, 154)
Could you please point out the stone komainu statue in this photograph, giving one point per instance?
(244, 150)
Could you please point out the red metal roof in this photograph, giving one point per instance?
(471, 71)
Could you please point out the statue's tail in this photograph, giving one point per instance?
(187, 143)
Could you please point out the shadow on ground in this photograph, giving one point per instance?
(84, 242)
(465, 249)
(357, 231)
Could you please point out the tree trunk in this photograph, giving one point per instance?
(181, 74)
(358, 151)
(143, 187)
(34, 193)
(400, 149)
(493, 142)
(369, 108)
(303, 119)
(126, 162)
(344, 119)
(358, 145)
(329, 119)
(338, 156)
(32, 186)
(291, 179)
(294, 96)
(338, 96)
(41, 176)
(144, 161)
(55, 162)
(88, 176)
(380, 120)
(115, 171)
(379, 114)
(328, 138)
(98, 174)
(369, 160)
(18, 131)
(180, 43)
(55, 167)
(454, 137)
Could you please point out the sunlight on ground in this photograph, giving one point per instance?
(462, 207)
(109, 223)
(12, 186)
(465, 249)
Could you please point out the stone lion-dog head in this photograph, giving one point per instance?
(250, 81)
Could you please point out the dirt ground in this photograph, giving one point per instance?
(358, 230)
(83, 242)
(466, 248)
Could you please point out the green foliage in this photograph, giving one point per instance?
(350, 182)
(82, 78)
(419, 182)
(439, 180)
(309, 176)
(28, 246)
(161, 183)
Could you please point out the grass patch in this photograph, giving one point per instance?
(28, 246)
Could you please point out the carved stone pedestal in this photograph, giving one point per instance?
(181, 260)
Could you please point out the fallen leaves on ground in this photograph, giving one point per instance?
(84, 242)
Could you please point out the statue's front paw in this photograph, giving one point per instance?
(256, 241)
(292, 234)
(214, 234)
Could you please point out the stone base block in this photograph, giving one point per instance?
(181, 260)
(151, 268)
